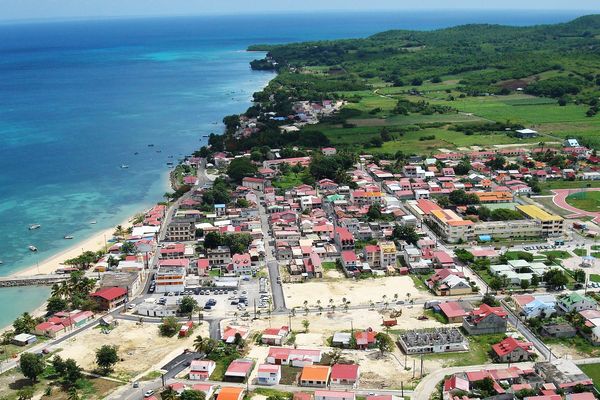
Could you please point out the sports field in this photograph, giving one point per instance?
(588, 200)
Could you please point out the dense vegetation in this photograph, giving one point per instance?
(490, 54)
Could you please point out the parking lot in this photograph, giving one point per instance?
(220, 302)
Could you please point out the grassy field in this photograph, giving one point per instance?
(479, 352)
(593, 371)
(288, 181)
(577, 343)
(557, 254)
(561, 184)
(580, 252)
(588, 201)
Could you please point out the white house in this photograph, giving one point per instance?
(334, 395)
(201, 370)
(268, 374)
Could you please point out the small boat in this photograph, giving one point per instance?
(169, 163)
(136, 153)
(205, 135)
(93, 222)
(124, 166)
(151, 145)
(1, 262)
(34, 226)
(159, 151)
(68, 237)
(32, 248)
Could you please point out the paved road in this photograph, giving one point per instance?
(272, 264)
(427, 385)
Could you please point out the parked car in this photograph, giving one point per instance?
(148, 393)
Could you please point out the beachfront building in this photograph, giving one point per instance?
(181, 230)
(109, 298)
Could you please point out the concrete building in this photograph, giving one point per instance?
(170, 279)
(437, 340)
(268, 374)
(485, 320)
(181, 230)
(552, 225)
(201, 370)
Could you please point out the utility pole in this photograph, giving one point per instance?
(421, 365)
(414, 367)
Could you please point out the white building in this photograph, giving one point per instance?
(201, 370)
(268, 374)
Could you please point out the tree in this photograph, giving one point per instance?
(24, 324)
(555, 278)
(305, 324)
(128, 248)
(168, 394)
(490, 300)
(199, 344)
(73, 394)
(212, 240)
(106, 357)
(525, 284)
(535, 281)
(464, 256)
(241, 167)
(374, 212)
(188, 305)
(192, 395)
(56, 304)
(461, 198)
(169, 326)
(59, 365)
(32, 365)
(579, 275)
(72, 371)
(384, 342)
(496, 283)
(406, 233)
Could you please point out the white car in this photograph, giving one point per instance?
(148, 393)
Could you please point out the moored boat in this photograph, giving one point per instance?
(34, 226)
(32, 248)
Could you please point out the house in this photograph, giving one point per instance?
(334, 395)
(485, 320)
(575, 302)
(201, 370)
(512, 350)
(456, 383)
(274, 336)
(268, 374)
(343, 238)
(448, 282)
(350, 262)
(231, 393)
(232, 332)
(241, 264)
(294, 357)
(24, 339)
(207, 388)
(365, 339)
(109, 298)
(345, 375)
(315, 375)
(329, 151)
(535, 306)
(525, 133)
(239, 370)
(255, 183)
(170, 279)
(453, 311)
(558, 330)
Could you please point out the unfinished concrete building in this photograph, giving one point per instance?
(436, 340)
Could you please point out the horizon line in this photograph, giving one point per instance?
(291, 12)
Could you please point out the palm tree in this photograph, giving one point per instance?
(333, 308)
(345, 307)
(168, 394)
(199, 344)
(320, 309)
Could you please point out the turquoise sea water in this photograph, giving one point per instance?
(79, 98)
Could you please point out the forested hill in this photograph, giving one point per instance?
(481, 56)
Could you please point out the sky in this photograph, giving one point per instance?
(59, 9)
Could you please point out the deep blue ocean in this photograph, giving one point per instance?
(79, 98)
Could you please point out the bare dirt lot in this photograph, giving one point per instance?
(356, 291)
(140, 347)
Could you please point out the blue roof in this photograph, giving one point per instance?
(485, 238)
(219, 205)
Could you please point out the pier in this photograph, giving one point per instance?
(34, 280)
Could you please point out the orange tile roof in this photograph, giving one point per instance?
(230, 393)
(314, 373)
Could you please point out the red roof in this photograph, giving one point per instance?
(110, 293)
(484, 311)
(456, 383)
(348, 256)
(344, 372)
(452, 309)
